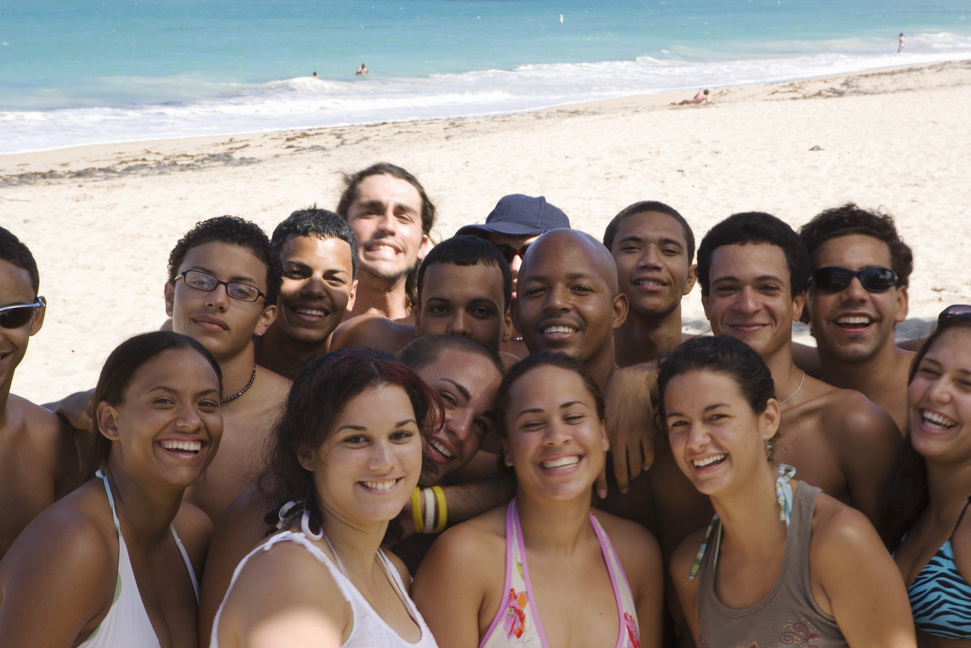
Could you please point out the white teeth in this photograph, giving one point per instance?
(183, 446)
(707, 461)
(442, 449)
(648, 282)
(937, 421)
(380, 485)
(553, 330)
(562, 462)
(310, 311)
(850, 320)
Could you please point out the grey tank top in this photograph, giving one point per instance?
(788, 615)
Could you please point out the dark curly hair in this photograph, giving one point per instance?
(236, 231)
(321, 223)
(851, 219)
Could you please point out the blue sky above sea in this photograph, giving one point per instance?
(75, 73)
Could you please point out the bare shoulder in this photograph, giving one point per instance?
(684, 556)
(848, 414)
(273, 384)
(281, 579)
(74, 538)
(841, 528)
(194, 529)
(40, 427)
(627, 536)
(471, 542)
(373, 331)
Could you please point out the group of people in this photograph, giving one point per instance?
(512, 415)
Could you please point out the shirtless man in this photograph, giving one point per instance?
(224, 280)
(391, 217)
(753, 270)
(464, 287)
(318, 253)
(653, 247)
(857, 294)
(465, 373)
(569, 300)
(512, 226)
(38, 458)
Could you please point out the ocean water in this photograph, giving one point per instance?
(74, 73)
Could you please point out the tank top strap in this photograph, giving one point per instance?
(960, 517)
(623, 597)
(111, 500)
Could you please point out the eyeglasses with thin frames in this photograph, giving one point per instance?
(234, 289)
(15, 316)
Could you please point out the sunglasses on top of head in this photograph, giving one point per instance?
(834, 279)
(15, 316)
(954, 311)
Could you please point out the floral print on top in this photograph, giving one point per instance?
(517, 621)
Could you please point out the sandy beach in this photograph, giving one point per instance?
(101, 220)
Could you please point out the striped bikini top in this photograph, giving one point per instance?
(940, 596)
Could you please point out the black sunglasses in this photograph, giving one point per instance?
(15, 316)
(509, 252)
(835, 279)
(954, 311)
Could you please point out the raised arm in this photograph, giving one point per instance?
(630, 425)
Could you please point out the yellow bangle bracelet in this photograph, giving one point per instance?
(416, 511)
(442, 509)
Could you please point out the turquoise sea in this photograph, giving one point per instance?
(76, 72)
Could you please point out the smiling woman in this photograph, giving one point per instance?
(128, 545)
(338, 475)
(589, 574)
(925, 516)
(780, 562)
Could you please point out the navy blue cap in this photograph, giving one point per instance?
(519, 215)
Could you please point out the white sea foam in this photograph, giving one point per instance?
(196, 107)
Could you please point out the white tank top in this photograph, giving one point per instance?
(368, 629)
(127, 624)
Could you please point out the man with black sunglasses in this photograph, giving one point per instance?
(38, 459)
(856, 296)
(753, 269)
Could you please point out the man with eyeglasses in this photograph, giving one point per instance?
(224, 280)
(512, 226)
(857, 294)
(38, 459)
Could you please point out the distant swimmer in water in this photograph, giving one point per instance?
(314, 75)
(701, 97)
(900, 44)
(362, 70)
